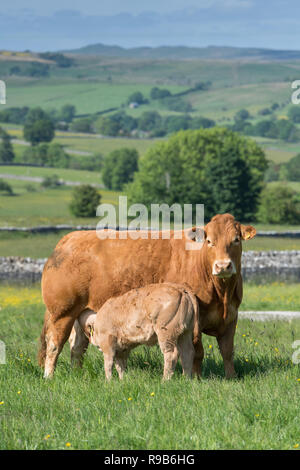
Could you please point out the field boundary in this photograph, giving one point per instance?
(269, 315)
(52, 228)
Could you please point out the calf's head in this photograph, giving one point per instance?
(222, 244)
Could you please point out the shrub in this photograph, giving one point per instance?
(6, 188)
(52, 182)
(279, 205)
(85, 201)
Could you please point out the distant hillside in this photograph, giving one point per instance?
(182, 52)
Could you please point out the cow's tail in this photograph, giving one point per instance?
(43, 344)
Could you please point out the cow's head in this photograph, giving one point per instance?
(222, 243)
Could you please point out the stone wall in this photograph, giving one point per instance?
(257, 266)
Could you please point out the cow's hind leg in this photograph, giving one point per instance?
(198, 358)
(186, 353)
(78, 345)
(58, 331)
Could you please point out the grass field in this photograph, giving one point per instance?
(79, 410)
(43, 207)
(82, 176)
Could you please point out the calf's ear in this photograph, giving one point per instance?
(247, 232)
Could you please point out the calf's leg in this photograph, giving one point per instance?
(78, 345)
(107, 344)
(121, 363)
(170, 353)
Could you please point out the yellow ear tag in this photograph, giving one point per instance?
(92, 331)
(248, 236)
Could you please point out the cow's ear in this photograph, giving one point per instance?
(196, 233)
(247, 232)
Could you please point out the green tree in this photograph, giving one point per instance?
(294, 114)
(6, 149)
(82, 125)
(159, 93)
(228, 179)
(136, 97)
(242, 115)
(279, 205)
(51, 155)
(179, 170)
(67, 113)
(149, 121)
(119, 167)
(85, 201)
(38, 127)
(293, 168)
(107, 126)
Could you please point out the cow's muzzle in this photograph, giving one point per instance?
(223, 268)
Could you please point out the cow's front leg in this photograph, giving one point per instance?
(225, 343)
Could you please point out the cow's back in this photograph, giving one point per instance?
(84, 271)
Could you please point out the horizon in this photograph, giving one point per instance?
(66, 25)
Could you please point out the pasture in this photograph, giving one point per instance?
(79, 410)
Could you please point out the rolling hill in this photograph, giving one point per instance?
(183, 52)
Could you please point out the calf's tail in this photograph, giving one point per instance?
(196, 326)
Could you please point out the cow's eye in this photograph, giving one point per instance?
(236, 241)
(209, 242)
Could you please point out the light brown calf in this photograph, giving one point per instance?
(164, 313)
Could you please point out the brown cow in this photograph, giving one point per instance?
(164, 313)
(84, 271)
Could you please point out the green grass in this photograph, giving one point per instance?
(274, 296)
(105, 145)
(44, 207)
(88, 96)
(259, 410)
(82, 176)
(272, 243)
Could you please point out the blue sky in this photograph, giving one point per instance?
(64, 24)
